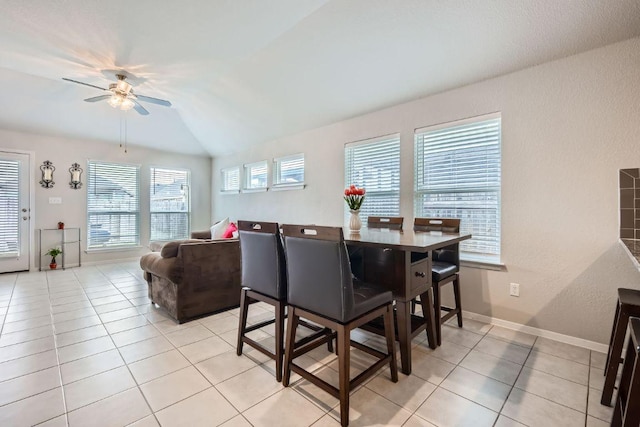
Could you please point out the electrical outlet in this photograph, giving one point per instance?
(55, 200)
(514, 289)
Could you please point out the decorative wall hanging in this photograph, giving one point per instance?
(47, 169)
(76, 171)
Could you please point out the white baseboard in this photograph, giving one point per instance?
(111, 261)
(568, 339)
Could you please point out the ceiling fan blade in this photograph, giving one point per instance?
(86, 84)
(153, 100)
(140, 109)
(97, 98)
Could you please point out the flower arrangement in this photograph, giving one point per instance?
(354, 197)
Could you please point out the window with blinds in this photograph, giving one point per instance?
(113, 205)
(457, 175)
(169, 201)
(255, 176)
(375, 165)
(9, 208)
(288, 171)
(230, 179)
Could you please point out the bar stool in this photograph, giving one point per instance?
(322, 289)
(445, 269)
(264, 278)
(627, 411)
(628, 305)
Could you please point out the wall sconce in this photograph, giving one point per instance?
(47, 169)
(75, 170)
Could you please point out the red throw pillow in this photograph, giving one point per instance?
(228, 233)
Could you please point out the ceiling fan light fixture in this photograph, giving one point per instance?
(126, 104)
(115, 101)
(123, 86)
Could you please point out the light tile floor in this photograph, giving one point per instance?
(84, 347)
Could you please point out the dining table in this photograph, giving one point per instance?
(401, 262)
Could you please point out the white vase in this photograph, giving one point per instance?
(355, 224)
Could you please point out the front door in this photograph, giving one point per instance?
(14, 212)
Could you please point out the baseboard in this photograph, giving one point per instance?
(568, 339)
(111, 261)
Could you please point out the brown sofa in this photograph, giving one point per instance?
(191, 278)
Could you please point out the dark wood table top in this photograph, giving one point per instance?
(414, 241)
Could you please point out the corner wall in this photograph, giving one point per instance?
(568, 126)
(73, 210)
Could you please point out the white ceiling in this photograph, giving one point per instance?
(242, 72)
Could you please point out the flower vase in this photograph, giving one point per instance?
(355, 224)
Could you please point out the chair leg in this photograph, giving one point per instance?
(429, 318)
(389, 331)
(456, 295)
(613, 330)
(611, 369)
(344, 348)
(244, 309)
(292, 325)
(437, 312)
(279, 339)
(413, 306)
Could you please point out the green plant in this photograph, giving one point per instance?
(54, 252)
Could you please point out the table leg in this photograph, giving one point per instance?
(429, 317)
(404, 334)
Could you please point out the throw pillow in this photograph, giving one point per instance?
(218, 229)
(229, 231)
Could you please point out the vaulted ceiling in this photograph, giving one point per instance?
(242, 72)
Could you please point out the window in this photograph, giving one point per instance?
(230, 180)
(255, 176)
(289, 171)
(113, 205)
(375, 165)
(457, 175)
(9, 208)
(170, 204)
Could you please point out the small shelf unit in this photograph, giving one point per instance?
(67, 238)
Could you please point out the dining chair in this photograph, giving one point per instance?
(387, 222)
(626, 410)
(627, 306)
(264, 278)
(322, 289)
(445, 269)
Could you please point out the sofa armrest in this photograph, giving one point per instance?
(168, 268)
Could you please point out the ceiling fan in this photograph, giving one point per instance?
(120, 95)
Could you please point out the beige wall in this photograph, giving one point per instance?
(73, 210)
(567, 128)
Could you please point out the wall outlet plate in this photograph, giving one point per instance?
(514, 289)
(55, 200)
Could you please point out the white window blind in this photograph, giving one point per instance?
(230, 179)
(169, 204)
(255, 175)
(375, 165)
(9, 208)
(457, 175)
(113, 205)
(288, 170)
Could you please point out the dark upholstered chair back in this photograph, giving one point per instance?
(390, 222)
(319, 271)
(263, 261)
(449, 254)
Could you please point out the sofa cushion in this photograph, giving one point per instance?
(229, 231)
(170, 249)
(218, 229)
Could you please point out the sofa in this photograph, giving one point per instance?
(192, 278)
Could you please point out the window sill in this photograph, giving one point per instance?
(482, 262)
(113, 249)
(254, 190)
(229, 191)
(283, 187)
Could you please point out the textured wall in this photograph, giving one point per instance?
(73, 210)
(568, 126)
